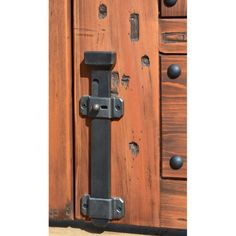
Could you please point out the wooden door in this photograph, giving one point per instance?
(135, 155)
(148, 135)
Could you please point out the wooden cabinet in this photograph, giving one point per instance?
(153, 127)
(173, 8)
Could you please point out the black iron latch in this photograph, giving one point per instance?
(101, 108)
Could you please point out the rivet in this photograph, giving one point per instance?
(170, 3)
(176, 162)
(174, 71)
(95, 107)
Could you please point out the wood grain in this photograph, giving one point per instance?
(60, 111)
(174, 115)
(134, 177)
(179, 9)
(174, 204)
(173, 35)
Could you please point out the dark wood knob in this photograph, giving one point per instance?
(176, 162)
(170, 3)
(174, 71)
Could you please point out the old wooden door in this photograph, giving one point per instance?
(144, 139)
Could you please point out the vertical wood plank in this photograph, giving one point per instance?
(135, 137)
(60, 111)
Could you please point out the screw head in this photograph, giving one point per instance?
(174, 71)
(170, 3)
(95, 107)
(176, 162)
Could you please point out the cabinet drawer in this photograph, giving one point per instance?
(172, 8)
(173, 35)
(174, 109)
(173, 204)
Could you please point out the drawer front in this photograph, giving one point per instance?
(173, 204)
(173, 35)
(173, 8)
(174, 109)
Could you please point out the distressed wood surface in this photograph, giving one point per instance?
(174, 115)
(60, 111)
(173, 35)
(135, 173)
(174, 204)
(179, 9)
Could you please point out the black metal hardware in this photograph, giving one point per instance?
(170, 3)
(176, 162)
(101, 108)
(174, 71)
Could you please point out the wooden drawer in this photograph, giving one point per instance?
(173, 35)
(173, 204)
(174, 109)
(171, 8)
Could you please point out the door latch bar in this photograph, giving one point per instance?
(99, 206)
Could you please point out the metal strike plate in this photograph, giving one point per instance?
(99, 107)
(100, 208)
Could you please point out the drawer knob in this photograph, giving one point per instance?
(170, 3)
(174, 71)
(176, 162)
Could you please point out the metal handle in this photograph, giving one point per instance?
(101, 108)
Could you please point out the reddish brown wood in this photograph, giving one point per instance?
(174, 115)
(174, 204)
(135, 177)
(173, 35)
(60, 111)
(179, 9)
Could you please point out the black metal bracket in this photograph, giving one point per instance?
(98, 107)
(101, 108)
(97, 208)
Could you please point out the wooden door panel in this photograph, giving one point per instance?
(60, 112)
(174, 115)
(173, 35)
(135, 157)
(178, 9)
(174, 204)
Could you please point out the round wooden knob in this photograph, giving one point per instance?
(170, 3)
(176, 162)
(174, 71)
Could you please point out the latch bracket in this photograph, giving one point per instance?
(102, 208)
(101, 107)
(98, 205)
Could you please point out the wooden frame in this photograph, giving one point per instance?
(60, 111)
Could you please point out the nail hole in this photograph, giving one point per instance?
(125, 81)
(145, 60)
(134, 147)
(119, 209)
(102, 11)
(84, 105)
(118, 107)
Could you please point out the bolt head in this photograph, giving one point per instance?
(176, 162)
(174, 71)
(170, 3)
(95, 107)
